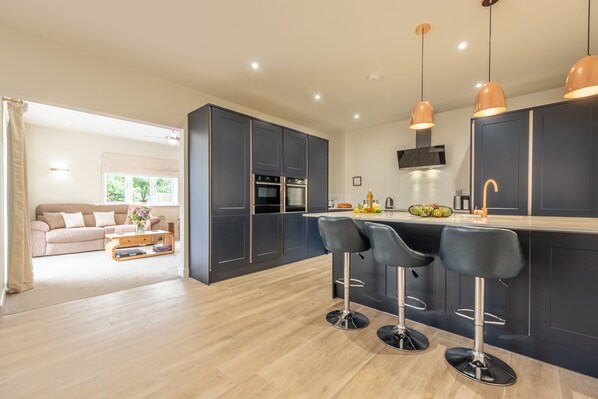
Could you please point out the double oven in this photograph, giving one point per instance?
(276, 194)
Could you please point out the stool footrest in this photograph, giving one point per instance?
(497, 320)
(353, 282)
(424, 307)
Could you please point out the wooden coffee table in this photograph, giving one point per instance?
(147, 239)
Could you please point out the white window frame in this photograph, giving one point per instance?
(174, 188)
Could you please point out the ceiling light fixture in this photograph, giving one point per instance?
(478, 85)
(255, 66)
(422, 116)
(356, 116)
(582, 80)
(491, 97)
(317, 97)
(173, 138)
(462, 46)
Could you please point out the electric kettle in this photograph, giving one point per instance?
(389, 203)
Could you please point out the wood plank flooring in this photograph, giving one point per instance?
(257, 336)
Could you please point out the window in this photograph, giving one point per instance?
(153, 190)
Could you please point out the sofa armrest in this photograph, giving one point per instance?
(154, 221)
(38, 238)
(41, 226)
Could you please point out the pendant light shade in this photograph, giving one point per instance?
(491, 99)
(582, 80)
(422, 115)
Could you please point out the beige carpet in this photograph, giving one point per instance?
(64, 278)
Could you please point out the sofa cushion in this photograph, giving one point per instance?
(123, 228)
(120, 211)
(75, 234)
(73, 220)
(104, 219)
(86, 209)
(54, 220)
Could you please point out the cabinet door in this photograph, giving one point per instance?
(315, 244)
(295, 235)
(266, 149)
(565, 167)
(500, 152)
(564, 295)
(295, 154)
(229, 241)
(230, 163)
(266, 236)
(317, 179)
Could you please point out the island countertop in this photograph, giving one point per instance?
(530, 223)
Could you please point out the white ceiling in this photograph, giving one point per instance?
(67, 119)
(328, 47)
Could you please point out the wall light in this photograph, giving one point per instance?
(59, 172)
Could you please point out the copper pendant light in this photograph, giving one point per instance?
(422, 116)
(582, 80)
(490, 100)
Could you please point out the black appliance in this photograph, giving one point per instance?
(295, 195)
(422, 157)
(266, 194)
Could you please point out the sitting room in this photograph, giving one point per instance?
(103, 203)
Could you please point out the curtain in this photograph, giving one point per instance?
(20, 267)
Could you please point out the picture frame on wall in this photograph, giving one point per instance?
(356, 180)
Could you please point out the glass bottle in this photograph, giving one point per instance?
(370, 200)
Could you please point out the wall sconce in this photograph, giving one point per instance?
(59, 172)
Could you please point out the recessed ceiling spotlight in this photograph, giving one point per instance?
(374, 76)
(68, 122)
(255, 65)
(462, 46)
(356, 116)
(478, 85)
(317, 97)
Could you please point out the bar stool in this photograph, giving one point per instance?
(389, 249)
(342, 235)
(481, 253)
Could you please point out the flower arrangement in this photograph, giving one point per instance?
(139, 215)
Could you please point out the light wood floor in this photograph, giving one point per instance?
(262, 336)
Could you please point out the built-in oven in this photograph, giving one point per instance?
(266, 194)
(295, 195)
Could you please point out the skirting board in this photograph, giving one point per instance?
(2, 300)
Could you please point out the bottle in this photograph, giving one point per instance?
(370, 200)
(457, 200)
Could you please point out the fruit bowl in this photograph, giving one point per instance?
(430, 210)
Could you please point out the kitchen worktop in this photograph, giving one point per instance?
(531, 223)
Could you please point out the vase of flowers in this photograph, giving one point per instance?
(139, 215)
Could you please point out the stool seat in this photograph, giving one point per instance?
(389, 249)
(343, 235)
(482, 253)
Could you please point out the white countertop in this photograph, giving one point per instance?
(536, 223)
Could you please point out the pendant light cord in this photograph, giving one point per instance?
(422, 88)
(489, 43)
(589, 2)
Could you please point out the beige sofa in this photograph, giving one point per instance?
(46, 241)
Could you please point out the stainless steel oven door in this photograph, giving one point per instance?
(296, 196)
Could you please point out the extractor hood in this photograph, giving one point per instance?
(422, 157)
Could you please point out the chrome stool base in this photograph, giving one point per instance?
(347, 320)
(409, 340)
(494, 372)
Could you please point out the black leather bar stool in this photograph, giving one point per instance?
(389, 249)
(342, 235)
(481, 253)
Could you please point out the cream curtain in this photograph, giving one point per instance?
(136, 165)
(20, 267)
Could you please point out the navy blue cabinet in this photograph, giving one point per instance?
(565, 159)
(317, 174)
(295, 235)
(230, 242)
(266, 237)
(230, 163)
(266, 149)
(500, 152)
(295, 154)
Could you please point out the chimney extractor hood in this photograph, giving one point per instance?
(422, 157)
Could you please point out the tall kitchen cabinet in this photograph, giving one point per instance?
(555, 145)
(219, 179)
(317, 188)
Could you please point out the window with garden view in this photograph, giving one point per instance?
(145, 189)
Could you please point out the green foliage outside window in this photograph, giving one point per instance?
(115, 188)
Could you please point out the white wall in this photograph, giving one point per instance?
(371, 153)
(81, 153)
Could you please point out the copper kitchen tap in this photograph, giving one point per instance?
(484, 211)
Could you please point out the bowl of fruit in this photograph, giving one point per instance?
(376, 208)
(430, 210)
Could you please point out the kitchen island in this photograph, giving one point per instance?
(551, 308)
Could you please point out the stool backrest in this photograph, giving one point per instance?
(342, 235)
(389, 249)
(481, 251)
